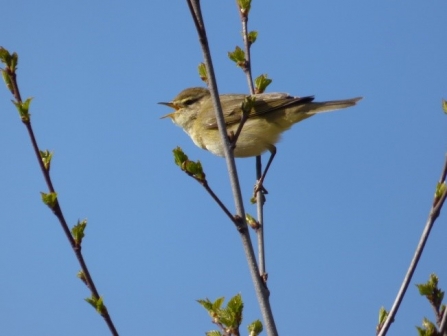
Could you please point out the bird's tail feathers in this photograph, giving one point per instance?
(313, 108)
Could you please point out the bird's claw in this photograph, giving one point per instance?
(259, 188)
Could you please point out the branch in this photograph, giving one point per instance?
(438, 202)
(260, 288)
(244, 9)
(9, 75)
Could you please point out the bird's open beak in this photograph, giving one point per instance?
(170, 115)
(168, 104)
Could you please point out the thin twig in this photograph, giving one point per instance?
(433, 215)
(57, 209)
(219, 202)
(235, 137)
(443, 325)
(260, 198)
(247, 67)
(260, 288)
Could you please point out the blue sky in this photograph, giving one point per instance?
(349, 191)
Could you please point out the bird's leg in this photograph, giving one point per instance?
(258, 185)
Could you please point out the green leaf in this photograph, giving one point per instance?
(230, 316)
(236, 304)
(233, 311)
(213, 333)
(195, 169)
(97, 303)
(213, 308)
(100, 307)
(238, 56)
(255, 328)
(207, 304)
(4, 55)
(192, 168)
(431, 291)
(49, 199)
(431, 284)
(251, 221)
(261, 83)
(179, 156)
(81, 275)
(440, 190)
(244, 6)
(444, 106)
(428, 328)
(78, 231)
(23, 108)
(248, 105)
(252, 37)
(202, 72)
(91, 301)
(46, 157)
(383, 315)
(9, 60)
(218, 303)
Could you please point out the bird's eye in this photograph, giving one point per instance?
(188, 101)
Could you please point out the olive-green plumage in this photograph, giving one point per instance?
(272, 114)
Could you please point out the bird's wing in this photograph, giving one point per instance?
(263, 103)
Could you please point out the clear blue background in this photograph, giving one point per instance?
(349, 191)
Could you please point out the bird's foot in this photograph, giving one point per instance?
(259, 187)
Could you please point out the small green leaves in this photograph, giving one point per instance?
(228, 318)
(429, 286)
(244, 6)
(81, 275)
(252, 36)
(77, 231)
(195, 169)
(46, 157)
(444, 106)
(383, 314)
(213, 333)
(11, 66)
(9, 60)
(431, 291)
(202, 72)
(213, 308)
(191, 168)
(440, 190)
(23, 108)
(49, 199)
(435, 296)
(248, 105)
(97, 303)
(238, 57)
(261, 83)
(428, 329)
(254, 224)
(255, 328)
(179, 156)
(234, 311)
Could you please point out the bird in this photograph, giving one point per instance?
(269, 115)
